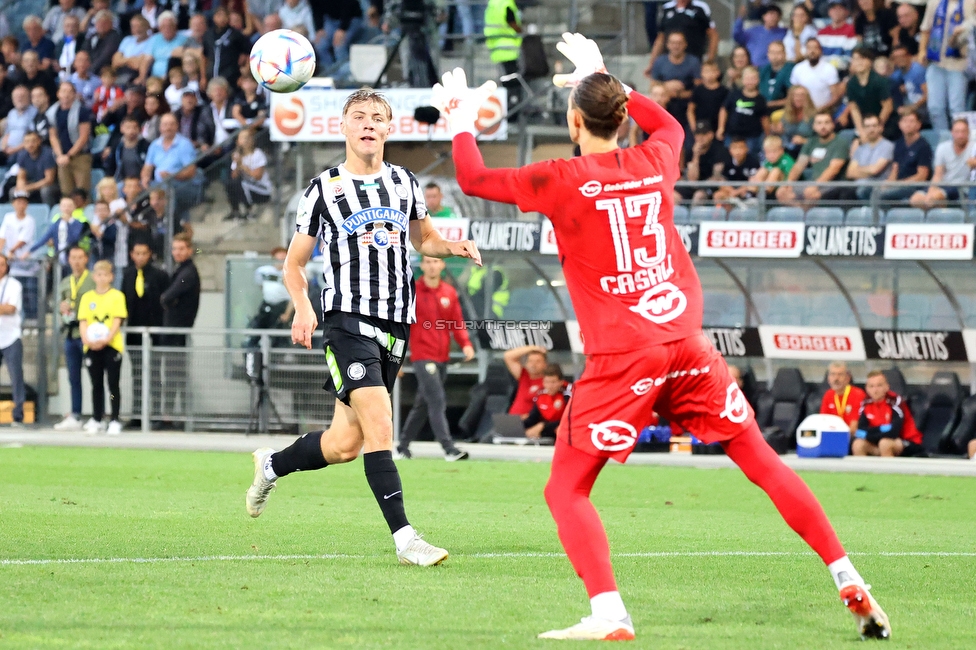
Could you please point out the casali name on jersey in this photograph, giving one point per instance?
(357, 220)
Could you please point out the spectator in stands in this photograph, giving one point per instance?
(37, 42)
(71, 289)
(34, 76)
(17, 230)
(298, 13)
(172, 159)
(708, 159)
(740, 166)
(194, 124)
(913, 160)
(433, 198)
(842, 398)
(868, 92)
(6, 91)
(19, 121)
(151, 11)
(165, 45)
(67, 48)
(547, 406)
(63, 234)
(178, 82)
(156, 107)
(54, 20)
(907, 32)
(885, 426)
(251, 109)
(142, 216)
(677, 70)
(954, 161)
(134, 56)
(343, 20)
(740, 60)
(133, 105)
(103, 45)
(874, 24)
(143, 284)
(838, 38)
(70, 139)
(10, 50)
(194, 69)
(908, 82)
(744, 114)
(529, 376)
(707, 97)
(84, 81)
(800, 31)
(871, 156)
(774, 77)
(693, 18)
(181, 301)
(941, 45)
(220, 110)
(818, 76)
(42, 123)
(196, 36)
(37, 173)
(105, 232)
(757, 39)
(776, 164)
(250, 183)
(103, 351)
(88, 21)
(107, 95)
(826, 156)
(229, 48)
(11, 346)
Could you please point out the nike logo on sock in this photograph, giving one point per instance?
(387, 496)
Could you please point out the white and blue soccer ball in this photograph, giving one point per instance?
(282, 61)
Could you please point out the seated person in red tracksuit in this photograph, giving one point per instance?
(548, 405)
(885, 426)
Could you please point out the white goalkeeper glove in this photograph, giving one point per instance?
(458, 103)
(584, 53)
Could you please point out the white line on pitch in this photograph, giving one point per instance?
(343, 556)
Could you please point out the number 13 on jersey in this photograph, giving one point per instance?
(641, 205)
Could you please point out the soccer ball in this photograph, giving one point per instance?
(97, 331)
(282, 61)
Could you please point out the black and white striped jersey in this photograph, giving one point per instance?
(363, 222)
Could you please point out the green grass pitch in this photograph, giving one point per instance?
(505, 581)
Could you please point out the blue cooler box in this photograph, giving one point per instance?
(822, 436)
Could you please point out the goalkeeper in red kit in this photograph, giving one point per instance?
(638, 300)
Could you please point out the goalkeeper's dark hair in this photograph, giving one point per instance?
(367, 94)
(603, 103)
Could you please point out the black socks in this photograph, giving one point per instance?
(384, 481)
(304, 454)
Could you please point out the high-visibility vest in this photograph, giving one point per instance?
(501, 295)
(503, 42)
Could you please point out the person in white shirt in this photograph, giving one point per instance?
(954, 163)
(17, 229)
(818, 77)
(11, 347)
(249, 181)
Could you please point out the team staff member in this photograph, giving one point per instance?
(71, 290)
(363, 211)
(548, 405)
(100, 320)
(639, 303)
(438, 317)
(11, 345)
(885, 426)
(528, 376)
(842, 398)
(143, 284)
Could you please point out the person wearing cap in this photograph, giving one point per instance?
(838, 38)
(17, 229)
(196, 123)
(758, 38)
(708, 159)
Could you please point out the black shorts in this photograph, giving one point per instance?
(361, 351)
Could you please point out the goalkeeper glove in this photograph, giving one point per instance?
(459, 103)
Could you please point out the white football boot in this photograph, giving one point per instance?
(421, 553)
(594, 629)
(257, 494)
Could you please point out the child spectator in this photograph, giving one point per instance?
(105, 230)
(192, 68)
(251, 110)
(107, 95)
(178, 82)
(708, 97)
(155, 86)
(744, 114)
(776, 164)
(742, 165)
(156, 107)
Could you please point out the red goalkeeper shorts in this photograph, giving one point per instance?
(685, 381)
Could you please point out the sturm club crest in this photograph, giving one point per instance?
(356, 371)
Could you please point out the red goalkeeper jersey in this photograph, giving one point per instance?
(631, 280)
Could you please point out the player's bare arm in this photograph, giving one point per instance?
(305, 321)
(428, 241)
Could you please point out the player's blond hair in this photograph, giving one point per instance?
(364, 95)
(103, 265)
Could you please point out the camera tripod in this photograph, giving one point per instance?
(420, 72)
(260, 394)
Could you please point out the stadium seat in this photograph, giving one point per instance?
(744, 214)
(965, 429)
(945, 215)
(862, 216)
(932, 137)
(5, 208)
(940, 411)
(701, 213)
(785, 214)
(896, 381)
(824, 217)
(780, 411)
(96, 176)
(41, 214)
(847, 135)
(493, 395)
(815, 397)
(904, 215)
(681, 214)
